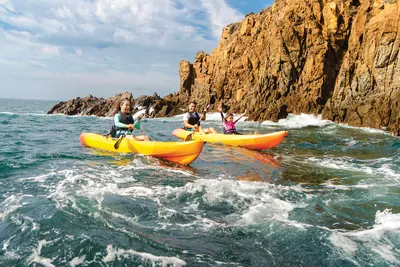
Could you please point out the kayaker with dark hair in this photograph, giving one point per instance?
(191, 119)
(228, 123)
(124, 123)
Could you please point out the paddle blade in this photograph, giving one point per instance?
(116, 145)
(212, 100)
(189, 137)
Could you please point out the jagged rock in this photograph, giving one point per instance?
(367, 90)
(107, 107)
(336, 57)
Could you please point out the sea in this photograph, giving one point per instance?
(328, 195)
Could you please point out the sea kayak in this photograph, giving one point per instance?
(256, 141)
(179, 152)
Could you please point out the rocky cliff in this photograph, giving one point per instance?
(339, 58)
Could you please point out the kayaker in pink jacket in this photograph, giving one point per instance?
(229, 123)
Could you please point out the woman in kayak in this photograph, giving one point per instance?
(124, 123)
(229, 124)
(191, 119)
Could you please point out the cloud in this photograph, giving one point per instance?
(79, 52)
(220, 15)
(63, 12)
(142, 39)
(50, 50)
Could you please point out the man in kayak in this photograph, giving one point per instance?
(191, 119)
(124, 123)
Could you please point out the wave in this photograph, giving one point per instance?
(365, 129)
(117, 253)
(377, 239)
(299, 121)
(378, 168)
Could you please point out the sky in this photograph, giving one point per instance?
(61, 49)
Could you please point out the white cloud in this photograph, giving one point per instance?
(50, 50)
(220, 15)
(117, 37)
(63, 12)
(79, 52)
(125, 35)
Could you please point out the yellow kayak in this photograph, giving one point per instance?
(179, 152)
(257, 141)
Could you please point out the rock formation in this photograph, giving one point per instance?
(338, 58)
(90, 105)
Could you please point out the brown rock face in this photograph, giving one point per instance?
(107, 107)
(338, 58)
(367, 89)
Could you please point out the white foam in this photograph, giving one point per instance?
(142, 112)
(113, 253)
(365, 129)
(375, 239)
(31, 114)
(299, 121)
(77, 260)
(7, 243)
(43, 177)
(35, 256)
(341, 241)
(385, 170)
(385, 221)
(10, 204)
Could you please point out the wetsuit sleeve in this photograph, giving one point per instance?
(238, 119)
(117, 122)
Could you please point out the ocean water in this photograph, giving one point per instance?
(329, 195)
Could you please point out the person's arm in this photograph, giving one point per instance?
(118, 123)
(203, 117)
(187, 125)
(222, 117)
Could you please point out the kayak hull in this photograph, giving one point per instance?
(257, 141)
(178, 152)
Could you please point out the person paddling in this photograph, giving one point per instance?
(124, 123)
(191, 120)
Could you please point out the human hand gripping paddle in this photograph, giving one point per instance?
(131, 127)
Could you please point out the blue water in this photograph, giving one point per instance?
(328, 195)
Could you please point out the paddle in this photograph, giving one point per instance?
(135, 125)
(116, 145)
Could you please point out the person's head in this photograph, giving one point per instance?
(192, 106)
(125, 106)
(229, 117)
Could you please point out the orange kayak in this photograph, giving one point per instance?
(256, 141)
(179, 152)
